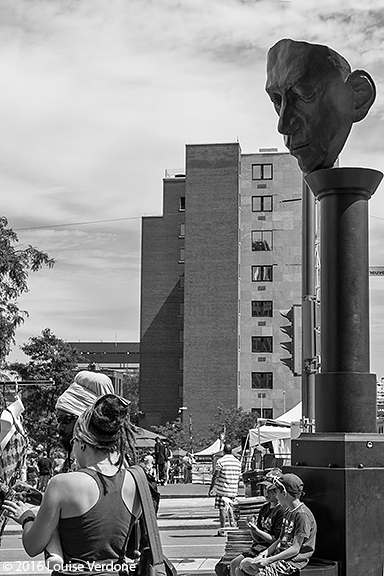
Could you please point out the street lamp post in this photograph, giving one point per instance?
(183, 409)
(261, 395)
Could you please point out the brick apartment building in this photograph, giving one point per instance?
(217, 268)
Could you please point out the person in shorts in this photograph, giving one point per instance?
(265, 527)
(225, 480)
(296, 543)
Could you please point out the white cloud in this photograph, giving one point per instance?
(100, 97)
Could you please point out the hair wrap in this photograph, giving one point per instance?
(105, 435)
(83, 433)
(86, 388)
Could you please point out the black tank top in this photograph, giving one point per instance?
(99, 534)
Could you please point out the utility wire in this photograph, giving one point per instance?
(78, 223)
(116, 220)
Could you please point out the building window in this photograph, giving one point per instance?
(262, 171)
(262, 344)
(181, 282)
(181, 336)
(180, 364)
(181, 255)
(182, 204)
(262, 204)
(181, 309)
(262, 380)
(181, 230)
(267, 413)
(262, 240)
(262, 308)
(262, 273)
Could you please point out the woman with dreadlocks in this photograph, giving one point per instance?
(95, 507)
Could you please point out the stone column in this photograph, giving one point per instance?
(345, 396)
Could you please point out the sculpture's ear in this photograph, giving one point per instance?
(364, 93)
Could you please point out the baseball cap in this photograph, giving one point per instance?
(292, 483)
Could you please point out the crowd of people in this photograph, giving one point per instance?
(171, 468)
(92, 514)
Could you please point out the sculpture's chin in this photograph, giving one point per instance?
(312, 162)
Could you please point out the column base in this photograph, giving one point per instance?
(344, 492)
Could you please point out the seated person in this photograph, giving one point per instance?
(296, 543)
(265, 528)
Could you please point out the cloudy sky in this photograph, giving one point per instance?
(100, 97)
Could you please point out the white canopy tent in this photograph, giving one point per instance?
(267, 433)
(293, 415)
(279, 435)
(212, 449)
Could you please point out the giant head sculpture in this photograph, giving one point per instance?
(317, 98)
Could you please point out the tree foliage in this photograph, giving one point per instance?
(15, 266)
(233, 424)
(177, 436)
(131, 392)
(50, 358)
(229, 424)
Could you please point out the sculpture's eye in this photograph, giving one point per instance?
(306, 92)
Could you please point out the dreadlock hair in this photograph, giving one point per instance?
(110, 424)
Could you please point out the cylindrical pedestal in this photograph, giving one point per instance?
(345, 391)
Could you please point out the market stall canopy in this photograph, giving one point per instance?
(293, 415)
(267, 433)
(212, 449)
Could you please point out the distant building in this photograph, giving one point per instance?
(111, 358)
(217, 268)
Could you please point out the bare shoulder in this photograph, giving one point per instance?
(130, 495)
(62, 483)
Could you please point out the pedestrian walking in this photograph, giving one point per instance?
(44, 465)
(32, 471)
(161, 458)
(167, 466)
(187, 468)
(225, 480)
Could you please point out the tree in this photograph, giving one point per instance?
(233, 424)
(180, 437)
(175, 434)
(131, 392)
(50, 358)
(15, 266)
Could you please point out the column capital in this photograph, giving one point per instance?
(362, 181)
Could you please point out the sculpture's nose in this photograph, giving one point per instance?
(289, 122)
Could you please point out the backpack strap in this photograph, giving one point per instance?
(153, 533)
